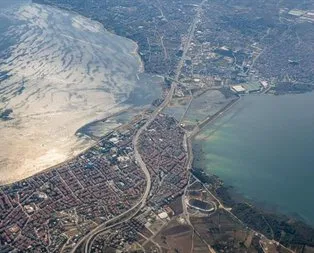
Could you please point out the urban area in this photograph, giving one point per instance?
(137, 190)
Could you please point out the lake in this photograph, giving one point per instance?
(263, 147)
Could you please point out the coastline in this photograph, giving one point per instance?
(81, 130)
(9, 182)
(289, 231)
(227, 194)
(230, 195)
(200, 157)
(136, 52)
(67, 160)
(252, 212)
(46, 155)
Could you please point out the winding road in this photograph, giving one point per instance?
(90, 237)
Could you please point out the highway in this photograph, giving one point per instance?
(90, 237)
(129, 214)
(212, 118)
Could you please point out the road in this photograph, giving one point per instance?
(89, 238)
(211, 118)
(228, 210)
(131, 212)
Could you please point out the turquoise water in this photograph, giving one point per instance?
(264, 148)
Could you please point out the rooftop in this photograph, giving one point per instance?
(238, 88)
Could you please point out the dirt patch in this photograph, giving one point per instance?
(176, 205)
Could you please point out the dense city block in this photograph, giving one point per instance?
(52, 210)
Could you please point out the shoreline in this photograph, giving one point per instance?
(64, 162)
(206, 122)
(81, 130)
(254, 211)
(236, 195)
(22, 172)
(269, 223)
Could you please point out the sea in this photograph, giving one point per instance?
(263, 148)
(60, 71)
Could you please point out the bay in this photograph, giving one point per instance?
(263, 147)
(60, 71)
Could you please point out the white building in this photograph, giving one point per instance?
(238, 89)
